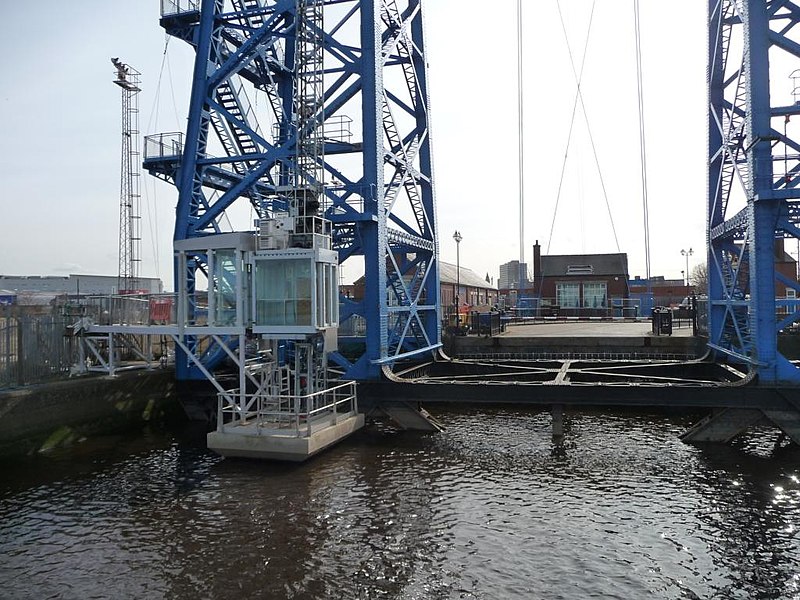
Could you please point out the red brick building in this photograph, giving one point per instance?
(580, 284)
(475, 293)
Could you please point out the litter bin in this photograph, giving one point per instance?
(662, 321)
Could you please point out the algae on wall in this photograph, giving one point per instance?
(43, 417)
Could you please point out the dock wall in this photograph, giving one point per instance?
(39, 417)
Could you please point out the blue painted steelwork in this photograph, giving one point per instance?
(753, 181)
(379, 188)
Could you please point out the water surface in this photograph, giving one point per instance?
(483, 510)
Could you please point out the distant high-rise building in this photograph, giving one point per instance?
(510, 276)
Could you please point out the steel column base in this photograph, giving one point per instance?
(723, 426)
(787, 421)
(407, 416)
(557, 412)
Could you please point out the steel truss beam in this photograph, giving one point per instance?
(753, 183)
(379, 188)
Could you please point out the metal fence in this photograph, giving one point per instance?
(130, 309)
(34, 349)
(617, 308)
(299, 416)
(174, 7)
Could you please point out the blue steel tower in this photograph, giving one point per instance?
(333, 93)
(754, 172)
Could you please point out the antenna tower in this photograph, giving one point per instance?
(130, 238)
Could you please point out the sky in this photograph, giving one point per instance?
(60, 156)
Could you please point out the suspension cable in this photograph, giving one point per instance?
(579, 98)
(151, 201)
(574, 111)
(642, 145)
(521, 146)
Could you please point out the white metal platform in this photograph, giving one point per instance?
(238, 442)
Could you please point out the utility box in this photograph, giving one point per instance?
(662, 321)
(274, 233)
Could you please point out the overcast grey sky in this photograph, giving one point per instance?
(59, 160)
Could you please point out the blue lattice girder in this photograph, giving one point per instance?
(755, 162)
(379, 192)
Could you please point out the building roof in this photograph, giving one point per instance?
(467, 277)
(561, 265)
(656, 282)
(447, 274)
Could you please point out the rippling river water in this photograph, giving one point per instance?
(483, 510)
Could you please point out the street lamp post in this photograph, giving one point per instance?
(687, 254)
(457, 237)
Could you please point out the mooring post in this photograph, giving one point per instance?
(557, 412)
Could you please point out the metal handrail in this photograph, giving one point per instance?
(296, 407)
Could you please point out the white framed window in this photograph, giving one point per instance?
(568, 295)
(594, 294)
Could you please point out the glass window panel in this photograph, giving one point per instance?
(283, 292)
(321, 321)
(224, 287)
(331, 295)
(568, 295)
(594, 294)
(302, 312)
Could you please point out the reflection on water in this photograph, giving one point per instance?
(483, 510)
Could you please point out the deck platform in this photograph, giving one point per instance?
(581, 363)
(242, 442)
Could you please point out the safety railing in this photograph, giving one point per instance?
(297, 415)
(163, 145)
(354, 326)
(131, 309)
(339, 129)
(626, 308)
(174, 7)
(34, 349)
(472, 323)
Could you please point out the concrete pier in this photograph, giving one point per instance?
(276, 446)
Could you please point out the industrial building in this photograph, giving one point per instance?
(659, 291)
(75, 284)
(474, 292)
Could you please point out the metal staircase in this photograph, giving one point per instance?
(375, 185)
(231, 131)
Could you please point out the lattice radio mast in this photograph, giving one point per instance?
(130, 238)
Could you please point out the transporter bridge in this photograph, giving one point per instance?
(308, 150)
